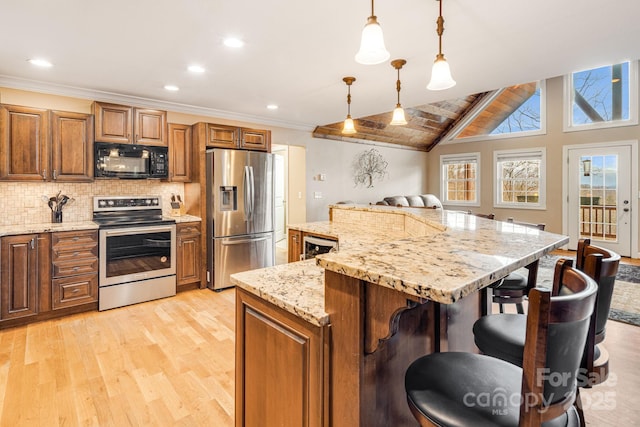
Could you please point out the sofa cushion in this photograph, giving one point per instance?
(431, 201)
(397, 201)
(415, 201)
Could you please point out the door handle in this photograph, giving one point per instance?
(243, 241)
(625, 209)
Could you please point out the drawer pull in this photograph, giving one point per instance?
(75, 291)
(76, 238)
(76, 268)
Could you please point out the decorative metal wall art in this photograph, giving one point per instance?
(369, 166)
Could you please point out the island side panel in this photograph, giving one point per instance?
(280, 367)
(367, 388)
(456, 321)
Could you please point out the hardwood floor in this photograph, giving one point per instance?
(171, 363)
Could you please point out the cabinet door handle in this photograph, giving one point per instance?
(44, 174)
(33, 243)
(55, 174)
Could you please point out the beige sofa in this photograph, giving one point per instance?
(419, 201)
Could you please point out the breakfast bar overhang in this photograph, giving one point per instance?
(335, 337)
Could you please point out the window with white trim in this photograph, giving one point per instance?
(602, 97)
(520, 178)
(460, 179)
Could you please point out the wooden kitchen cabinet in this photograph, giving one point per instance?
(295, 246)
(74, 257)
(38, 145)
(179, 153)
(287, 390)
(129, 125)
(71, 146)
(216, 136)
(189, 254)
(24, 143)
(255, 139)
(19, 276)
(232, 137)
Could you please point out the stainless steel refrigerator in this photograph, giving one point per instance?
(240, 211)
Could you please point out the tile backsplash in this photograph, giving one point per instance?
(21, 202)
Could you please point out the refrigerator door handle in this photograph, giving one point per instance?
(252, 200)
(243, 241)
(246, 190)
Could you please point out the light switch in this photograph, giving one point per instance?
(317, 195)
(299, 194)
(323, 177)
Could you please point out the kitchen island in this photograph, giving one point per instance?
(328, 342)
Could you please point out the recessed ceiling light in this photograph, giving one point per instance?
(196, 69)
(171, 88)
(40, 63)
(272, 107)
(233, 42)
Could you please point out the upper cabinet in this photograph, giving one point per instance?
(24, 143)
(179, 153)
(255, 139)
(233, 137)
(129, 125)
(71, 146)
(42, 145)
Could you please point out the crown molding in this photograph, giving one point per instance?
(102, 96)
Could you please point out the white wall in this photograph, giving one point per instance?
(406, 171)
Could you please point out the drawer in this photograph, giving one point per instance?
(77, 290)
(74, 238)
(68, 253)
(74, 267)
(184, 230)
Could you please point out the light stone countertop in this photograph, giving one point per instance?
(297, 287)
(47, 227)
(461, 254)
(186, 218)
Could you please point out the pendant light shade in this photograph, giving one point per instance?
(398, 113)
(348, 127)
(440, 73)
(372, 50)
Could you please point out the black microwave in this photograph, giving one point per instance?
(130, 161)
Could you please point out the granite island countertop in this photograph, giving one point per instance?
(439, 255)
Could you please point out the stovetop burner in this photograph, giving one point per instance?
(113, 211)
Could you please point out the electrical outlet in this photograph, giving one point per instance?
(323, 177)
(299, 194)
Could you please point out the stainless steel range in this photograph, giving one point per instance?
(137, 250)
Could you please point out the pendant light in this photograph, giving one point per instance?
(398, 113)
(440, 74)
(348, 128)
(372, 50)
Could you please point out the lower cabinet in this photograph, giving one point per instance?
(280, 366)
(19, 276)
(75, 268)
(188, 253)
(41, 274)
(296, 249)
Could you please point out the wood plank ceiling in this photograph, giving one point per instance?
(428, 124)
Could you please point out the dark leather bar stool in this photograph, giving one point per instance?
(465, 389)
(503, 335)
(515, 287)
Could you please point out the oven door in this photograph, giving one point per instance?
(130, 254)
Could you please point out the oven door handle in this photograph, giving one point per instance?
(243, 241)
(136, 230)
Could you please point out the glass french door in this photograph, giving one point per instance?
(599, 197)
